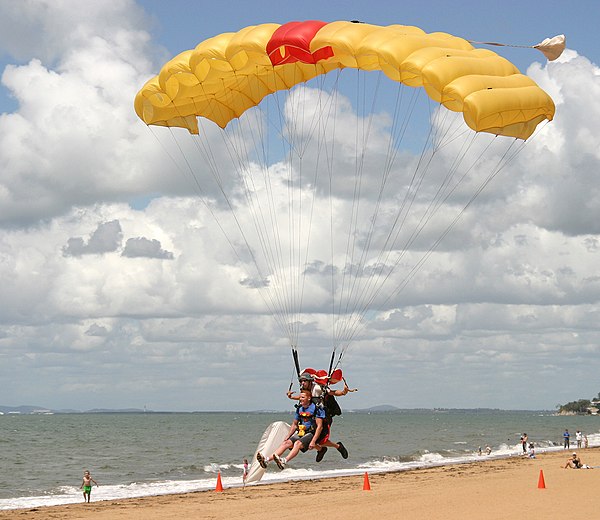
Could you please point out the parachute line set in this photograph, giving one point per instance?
(344, 154)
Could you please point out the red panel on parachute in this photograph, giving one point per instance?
(321, 376)
(291, 43)
(336, 376)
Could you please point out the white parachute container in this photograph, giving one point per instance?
(274, 435)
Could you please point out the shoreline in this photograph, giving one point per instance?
(500, 488)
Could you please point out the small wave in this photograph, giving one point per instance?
(431, 457)
(216, 468)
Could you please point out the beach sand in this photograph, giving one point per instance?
(490, 489)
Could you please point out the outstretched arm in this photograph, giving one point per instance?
(339, 393)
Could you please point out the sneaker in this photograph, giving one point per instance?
(321, 453)
(280, 461)
(261, 460)
(342, 449)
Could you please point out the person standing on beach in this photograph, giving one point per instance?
(578, 438)
(524, 439)
(86, 485)
(245, 473)
(566, 439)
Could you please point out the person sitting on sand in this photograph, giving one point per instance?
(304, 432)
(86, 485)
(574, 462)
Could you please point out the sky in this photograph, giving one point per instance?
(119, 291)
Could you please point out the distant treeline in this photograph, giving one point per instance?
(581, 406)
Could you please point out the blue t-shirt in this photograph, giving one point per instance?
(306, 416)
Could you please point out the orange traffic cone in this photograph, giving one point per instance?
(366, 485)
(541, 482)
(219, 483)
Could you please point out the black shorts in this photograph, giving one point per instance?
(305, 440)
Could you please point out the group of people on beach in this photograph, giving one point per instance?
(488, 450)
(311, 427)
(574, 462)
(580, 438)
(529, 448)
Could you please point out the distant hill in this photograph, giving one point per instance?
(120, 410)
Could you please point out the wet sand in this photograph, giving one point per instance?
(490, 489)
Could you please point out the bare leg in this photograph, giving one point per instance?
(287, 445)
(294, 452)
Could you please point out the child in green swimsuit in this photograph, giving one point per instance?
(86, 485)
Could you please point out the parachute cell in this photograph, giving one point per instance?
(226, 75)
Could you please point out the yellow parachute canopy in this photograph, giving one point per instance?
(226, 75)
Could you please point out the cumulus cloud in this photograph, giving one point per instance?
(512, 286)
(52, 30)
(568, 172)
(73, 138)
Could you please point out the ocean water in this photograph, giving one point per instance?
(42, 457)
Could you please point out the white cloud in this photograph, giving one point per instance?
(73, 138)
(153, 306)
(567, 176)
